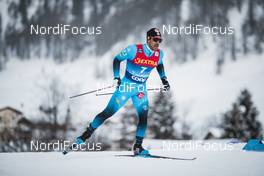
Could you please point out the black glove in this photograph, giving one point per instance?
(166, 84)
(117, 81)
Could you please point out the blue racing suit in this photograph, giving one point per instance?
(140, 62)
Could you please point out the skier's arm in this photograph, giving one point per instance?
(116, 67)
(160, 67)
(161, 71)
(126, 54)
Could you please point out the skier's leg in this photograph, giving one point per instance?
(140, 102)
(117, 100)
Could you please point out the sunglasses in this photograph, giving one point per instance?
(157, 40)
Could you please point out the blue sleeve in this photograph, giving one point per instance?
(160, 67)
(161, 57)
(126, 54)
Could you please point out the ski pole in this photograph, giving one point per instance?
(89, 92)
(150, 89)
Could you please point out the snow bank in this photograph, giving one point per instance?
(213, 163)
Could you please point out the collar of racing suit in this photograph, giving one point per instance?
(148, 51)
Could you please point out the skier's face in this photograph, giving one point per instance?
(154, 43)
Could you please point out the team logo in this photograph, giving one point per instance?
(145, 107)
(140, 95)
(148, 62)
(117, 101)
(156, 53)
(138, 79)
(123, 53)
(157, 31)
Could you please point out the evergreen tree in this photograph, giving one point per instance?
(241, 121)
(16, 40)
(161, 117)
(185, 131)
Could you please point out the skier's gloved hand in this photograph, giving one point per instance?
(117, 82)
(166, 85)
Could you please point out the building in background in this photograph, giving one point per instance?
(9, 118)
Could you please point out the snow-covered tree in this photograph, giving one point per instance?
(161, 117)
(241, 121)
(16, 39)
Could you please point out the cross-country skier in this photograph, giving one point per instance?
(141, 59)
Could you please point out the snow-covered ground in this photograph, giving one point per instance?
(233, 161)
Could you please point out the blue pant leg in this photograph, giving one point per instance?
(117, 100)
(141, 104)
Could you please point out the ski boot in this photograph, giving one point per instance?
(139, 150)
(80, 140)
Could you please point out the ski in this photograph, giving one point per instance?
(158, 157)
(73, 146)
(69, 149)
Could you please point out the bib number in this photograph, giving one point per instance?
(143, 69)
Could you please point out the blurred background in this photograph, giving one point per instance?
(216, 80)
